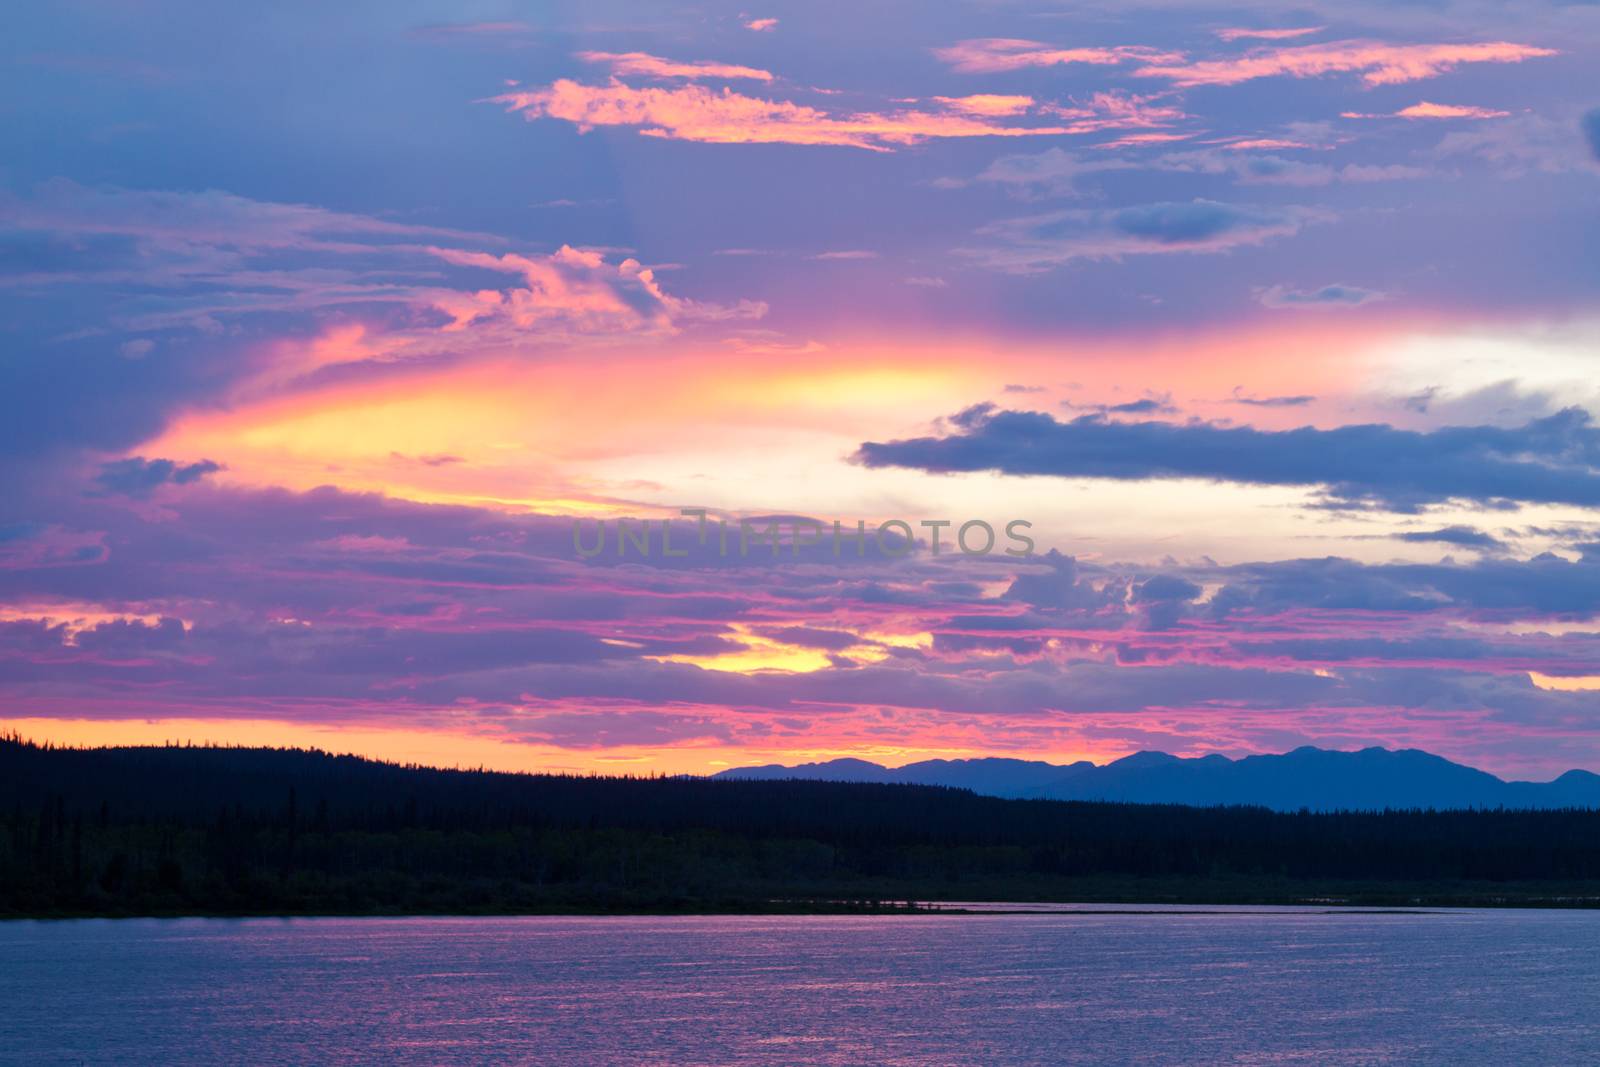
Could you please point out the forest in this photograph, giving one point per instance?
(180, 830)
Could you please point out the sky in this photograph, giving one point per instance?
(341, 342)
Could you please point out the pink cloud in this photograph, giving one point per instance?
(986, 55)
(575, 289)
(1135, 139)
(695, 113)
(1267, 35)
(1378, 63)
(1265, 143)
(990, 105)
(761, 25)
(1115, 111)
(1426, 110)
(648, 66)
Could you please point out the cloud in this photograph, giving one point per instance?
(1258, 144)
(1248, 169)
(1056, 172)
(137, 476)
(1590, 125)
(1426, 110)
(988, 104)
(1329, 296)
(1146, 406)
(1519, 145)
(761, 25)
(1116, 111)
(198, 270)
(575, 289)
(1393, 172)
(329, 608)
(645, 65)
(988, 55)
(1377, 63)
(1555, 460)
(1198, 226)
(1053, 172)
(846, 253)
(695, 113)
(1462, 536)
(1266, 35)
(1239, 397)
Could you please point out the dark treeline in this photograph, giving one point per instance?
(231, 830)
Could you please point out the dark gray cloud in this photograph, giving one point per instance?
(1465, 536)
(1040, 242)
(1239, 397)
(1590, 124)
(137, 476)
(1147, 406)
(1549, 460)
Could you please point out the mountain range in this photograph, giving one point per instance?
(1371, 779)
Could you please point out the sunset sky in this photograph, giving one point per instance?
(324, 324)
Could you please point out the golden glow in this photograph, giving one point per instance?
(604, 431)
(442, 748)
(759, 654)
(73, 616)
(1580, 683)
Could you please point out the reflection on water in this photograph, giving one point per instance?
(1211, 985)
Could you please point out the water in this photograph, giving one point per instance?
(1242, 986)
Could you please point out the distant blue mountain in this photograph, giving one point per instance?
(1319, 779)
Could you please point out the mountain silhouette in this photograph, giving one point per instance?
(1371, 779)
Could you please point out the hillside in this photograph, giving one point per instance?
(1372, 779)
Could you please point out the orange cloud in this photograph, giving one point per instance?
(1426, 110)
(649, 66)
(695, 113)
(1378, 63)
(1267, 35)
(987, 55)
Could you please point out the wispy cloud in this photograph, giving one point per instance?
(696, 113)
(988, 55)
(761, 25)
(988, 104)
(1377, 62)
(1238, 34)
(1426, 110)
(1040, 242)
(1241, 397)
(1328, 296)
(220, 259)
(642, 64)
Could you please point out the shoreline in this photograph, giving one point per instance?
(1078, 909)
